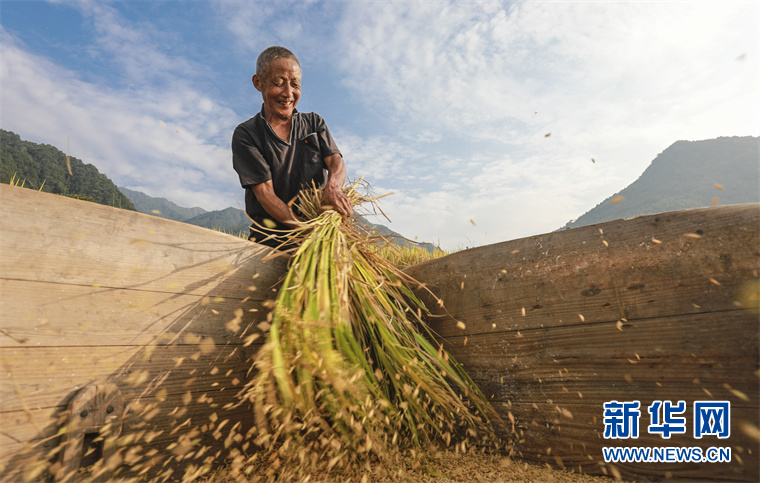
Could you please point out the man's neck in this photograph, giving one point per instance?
(280, 126)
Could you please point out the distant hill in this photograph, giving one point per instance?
(688, 174)
(229, 220)
(392, 236)
(234, 220)
(43, 166)
(161, 206)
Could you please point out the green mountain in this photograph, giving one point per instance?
(234, 220)
(392, 236)
(161, 206)
(43, 166)
(688, 174)
(229, 220)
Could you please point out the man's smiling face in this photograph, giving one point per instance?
(280, 88)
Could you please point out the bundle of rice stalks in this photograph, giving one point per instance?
(348, 374)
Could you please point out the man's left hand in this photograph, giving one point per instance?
(337, 200)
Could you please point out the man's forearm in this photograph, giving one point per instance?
(336, 172)
(273, 205)
(333, 195)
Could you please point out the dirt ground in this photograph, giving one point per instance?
(483, 468)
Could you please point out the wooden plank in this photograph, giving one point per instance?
(670, 357)
(47, 314)
(28, 383)
(158, 308)
(560, 276)
(559, 378)
(94, 279)
(157, 415)
(168, 387)
(659, 312)
(51, 238)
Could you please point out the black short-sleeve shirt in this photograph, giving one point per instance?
(260, 155)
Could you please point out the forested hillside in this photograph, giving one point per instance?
(234, 220)
(229, 220)
(160, 206)
(43, 166)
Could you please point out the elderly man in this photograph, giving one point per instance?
(280, 150)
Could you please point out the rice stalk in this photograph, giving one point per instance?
(348, 375)
(403, 256)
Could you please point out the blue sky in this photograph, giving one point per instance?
(445, 104)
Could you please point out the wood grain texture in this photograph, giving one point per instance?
(161, 309)
(49, 314)
(651, 308)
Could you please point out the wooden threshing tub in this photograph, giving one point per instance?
(119, 319)
(660, 307)
(95, 298)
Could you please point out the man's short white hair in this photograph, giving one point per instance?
(269, 55)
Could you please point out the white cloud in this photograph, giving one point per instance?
(304, 27)
(617, 82)
(488, 67)
(505, 198)
(140, 52)
(382, 160)
(173, 140)
(434, 197)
